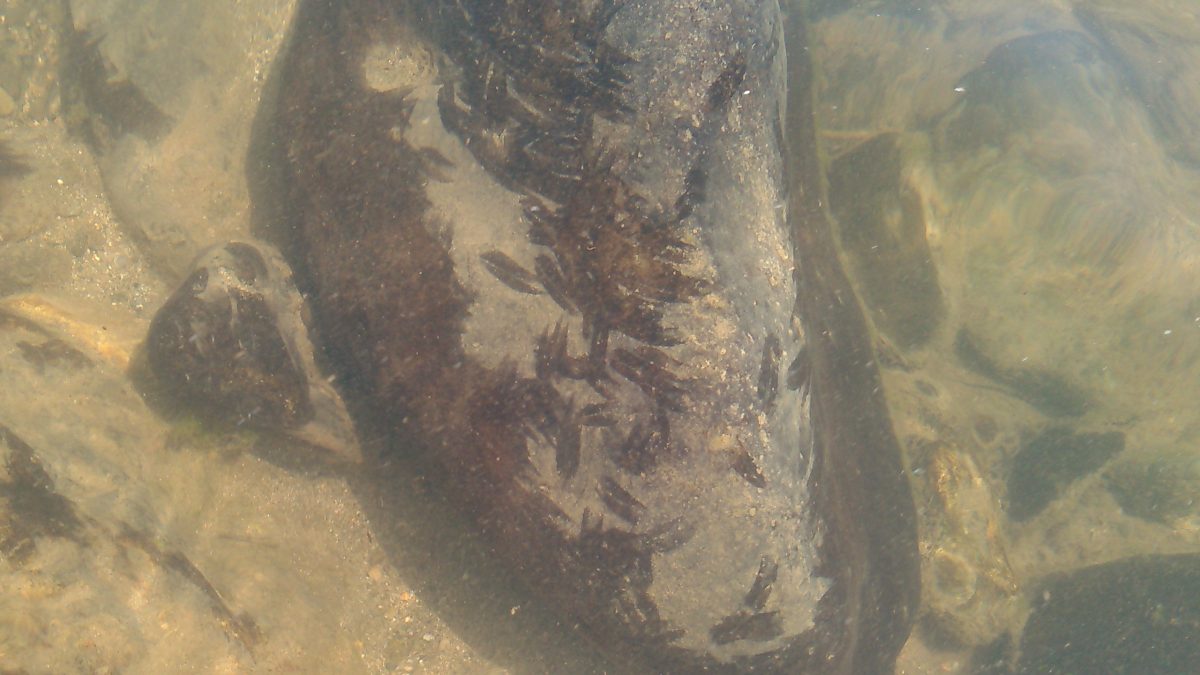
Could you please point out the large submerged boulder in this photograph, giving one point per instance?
(573, 257)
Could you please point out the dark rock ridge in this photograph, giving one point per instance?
(577, 274)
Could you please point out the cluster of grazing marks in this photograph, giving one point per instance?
(622, 581)
(535, 77)
(623, 578)
(768, 376)
(745, 466)
(612, 258)
(510, 410)
(752, 623)
(534, 74)
(510, 273)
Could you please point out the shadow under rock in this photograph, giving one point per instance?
(457, 576)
